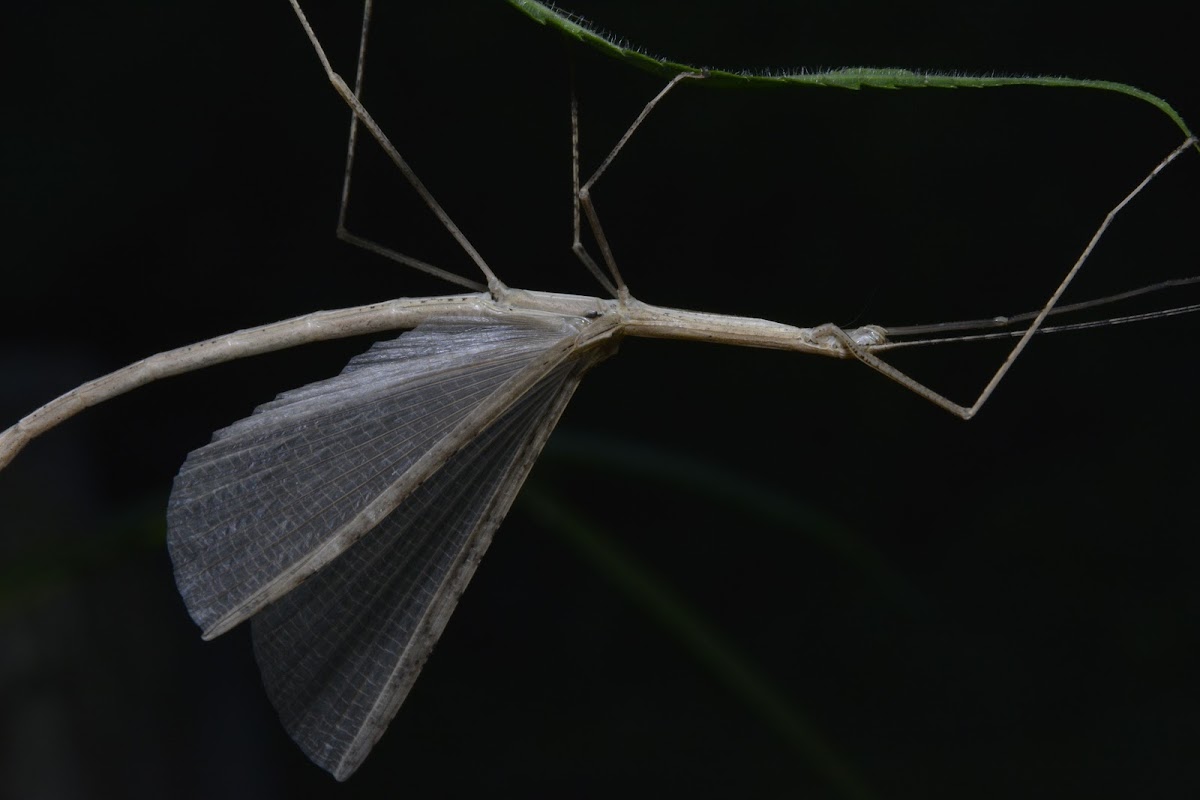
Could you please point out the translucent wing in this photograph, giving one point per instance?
(340, 652)
(275, 497)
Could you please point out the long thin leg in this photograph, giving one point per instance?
(577, 244)
(863, 354)
(359, 75)
(939, 328)
(583, 194)
(352, 99)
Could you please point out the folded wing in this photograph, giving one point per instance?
(340, 652)
(275, 497)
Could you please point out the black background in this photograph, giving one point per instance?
(998, 608)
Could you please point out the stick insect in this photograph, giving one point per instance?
(689, 325)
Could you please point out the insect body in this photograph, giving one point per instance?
(345, 518)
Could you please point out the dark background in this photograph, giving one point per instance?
(999, 608)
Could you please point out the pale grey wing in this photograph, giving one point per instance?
(340, 652)
(276, 496)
